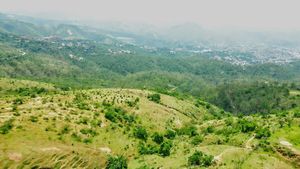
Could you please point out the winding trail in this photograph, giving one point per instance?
(248, 146)
(289, 146)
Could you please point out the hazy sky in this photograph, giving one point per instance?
(250, 14)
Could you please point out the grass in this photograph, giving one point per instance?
(295, 92)
(290, 134)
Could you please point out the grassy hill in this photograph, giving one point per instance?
(44, 126)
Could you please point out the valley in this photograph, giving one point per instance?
(78, 95)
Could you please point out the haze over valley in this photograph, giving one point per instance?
(149, 84)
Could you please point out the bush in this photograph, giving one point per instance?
(118, 162)
(197, 140)
(229, 121)
(158, 138)
(165, 148)
(87, 140)
(65, 130)
(132, 103)
(200, 159)
(90, 132)
(170, 134)
(297, 114)
(76, 137)
(18, 101)
(129, 118)
(263, 133)
(265, 145)
(209, 129)
(112, 116)
(96, 123)
(6, 127)
(115, 114)
(83, 120)
(247, 126)
(154, 97)
(140, 133)
(144, 167)
(33, 119)
(189, 130)
(147, 149)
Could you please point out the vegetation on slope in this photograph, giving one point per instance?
(126, 128)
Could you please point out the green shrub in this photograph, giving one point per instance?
(229, 121)
(112, 116)
(30, 91)
(197, 140)
(18, 101)
(6, 127)
(265, 145)
(200, 103)
(33, 119)
(227, 131)
(83, 120)
(17, 113)
(65, 130)
(297, 114)
(87, 140)
(90, 132)
(189, 130)
(165, 148)
(76, 137)
(209, 129)
(144, 167)
(154, 97)
(246, 125)
(140, 133)
(96, 123)
(158, 138)
(170, 134)
(263, 133)
(200, 159)
(118, 162)
(132, 103)
(147, 149)
(14, 107)
(83, 106)
(115, 114)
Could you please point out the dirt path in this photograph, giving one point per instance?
(289, 146)
(218, 158)
(248, 143)
(248, 146)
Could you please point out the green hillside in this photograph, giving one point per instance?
(43, 126)
(80, 96)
